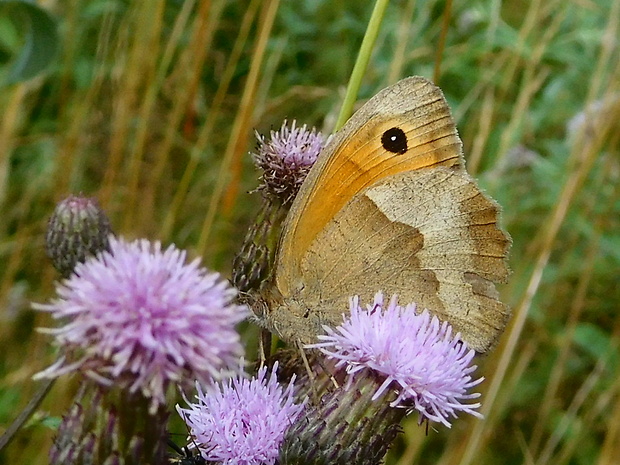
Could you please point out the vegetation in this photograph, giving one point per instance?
(150, 106)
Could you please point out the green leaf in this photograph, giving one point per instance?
(596, 342)
(41, 41)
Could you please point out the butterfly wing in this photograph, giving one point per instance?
(356, 157)
(430, 236)
(388, 206)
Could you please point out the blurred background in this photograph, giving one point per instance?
(151, 106)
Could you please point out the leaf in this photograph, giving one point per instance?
(597, 343)
(41, 41)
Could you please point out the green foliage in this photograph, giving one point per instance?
(39, 38)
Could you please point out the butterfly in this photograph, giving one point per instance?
(389, 206)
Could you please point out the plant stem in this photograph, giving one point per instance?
(363, 57)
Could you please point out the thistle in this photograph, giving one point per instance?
(284, 160)
(77, 229)
(137, 321)
(242, 421)
(382, 363)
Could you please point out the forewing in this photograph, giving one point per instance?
(355, 159)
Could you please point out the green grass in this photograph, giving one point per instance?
(151, 105)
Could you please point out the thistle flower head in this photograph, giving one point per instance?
(242, 421)
(140, 318)
(77, 229)
(411, 353)
(286, 158)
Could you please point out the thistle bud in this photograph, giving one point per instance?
(346, 426)
(77, 229)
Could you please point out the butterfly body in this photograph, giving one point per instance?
(389, 207)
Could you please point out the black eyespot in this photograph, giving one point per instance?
(394, 140)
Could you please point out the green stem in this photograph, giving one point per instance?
(363, 57)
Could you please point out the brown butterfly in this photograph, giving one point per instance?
(389, 207)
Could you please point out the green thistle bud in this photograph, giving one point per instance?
(107, 426)
(77, 229)
(346, 426)
(252, 265)
(340, 425)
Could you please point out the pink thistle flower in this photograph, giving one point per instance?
(286, 159)
(242, 421)
(414, 354)
(142, 319)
